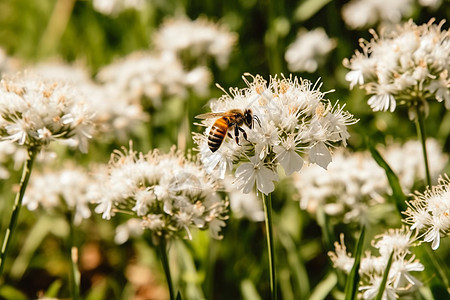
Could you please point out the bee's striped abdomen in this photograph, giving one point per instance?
(217, 134)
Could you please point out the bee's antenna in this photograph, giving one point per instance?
(255, 117)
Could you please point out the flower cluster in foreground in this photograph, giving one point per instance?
(291, 116)
(66, 190)
(354, 185)
(400, 281)
(168, 193)
(429, 212)
(35, 112)
(407, 66)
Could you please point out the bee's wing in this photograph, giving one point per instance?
(213, 115)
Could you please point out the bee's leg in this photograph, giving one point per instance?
(243, 133)
(229, 134)
(236, 134)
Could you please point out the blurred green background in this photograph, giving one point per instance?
(235, 267)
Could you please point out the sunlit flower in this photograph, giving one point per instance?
(195, 40)
(35, 112)
(64, 190)
(405, 66)
(152, 76)
(400, 280)
(290, 117)
(167, 193)
(429, 212)
(365, 13)
(309, 50)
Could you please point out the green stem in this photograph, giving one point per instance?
(165, 263)
(26, 172)
(420, 127)
(73, 255)
(267, 201)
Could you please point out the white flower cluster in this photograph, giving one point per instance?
(309, 50)
(354, 183)
(429, 212)
(359, 14)
(408, 65)
(167, 192)
(114, 113)
(114, 7)
(153, 76)
(65, 190)
(197, 39)
(400, 281)
(34, 112)
(290, 116)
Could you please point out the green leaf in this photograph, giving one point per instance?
(178, 297)
(309, 8)
(385, 277)
(324, 287)
(53, 289)
(351, 286)
(397, 192)
(8, 292)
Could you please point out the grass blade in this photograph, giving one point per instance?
(385, 277)
(397, 192)
(351, 286)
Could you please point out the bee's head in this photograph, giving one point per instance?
(248, 117)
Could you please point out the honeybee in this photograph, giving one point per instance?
(230, 120)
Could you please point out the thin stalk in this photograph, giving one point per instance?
(420, 127)
(73, 255)
(26, 172)
(165, 263)
(267, 201)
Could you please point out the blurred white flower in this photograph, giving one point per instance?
(243, 205)
(407, 161)
(408, 66)
(63, 190)
(168, 193)
(400, 281)
(153, 76)
(131, 228)
(354, 185)
(34, 112)
(289, 116)
(114, 114)
(195, 39)
(114, 7)
(429, 212)
(431, 3)
(309, 50)
(359, 14)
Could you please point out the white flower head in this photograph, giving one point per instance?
(400, 280)
(196, 39)
(359, 14)
(271, 124)
(309, 50)
(429, 212)
(63, 190)
(115, 7)
(407, 65)
(168, 193)
(151, 76)
(35, 112)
